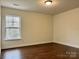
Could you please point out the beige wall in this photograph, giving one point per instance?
(66, 28)
(40, 28)
(36, 28)
(0, 28)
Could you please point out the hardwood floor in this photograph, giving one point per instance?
(43, 51)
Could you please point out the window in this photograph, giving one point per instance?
(13, 27)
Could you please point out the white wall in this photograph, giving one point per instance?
(66, 28)
(36, 28)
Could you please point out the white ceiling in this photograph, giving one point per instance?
(58, 6)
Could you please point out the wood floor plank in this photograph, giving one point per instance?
(43, 51)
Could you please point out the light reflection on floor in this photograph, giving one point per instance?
(13, 54)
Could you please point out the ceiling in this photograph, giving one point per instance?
(57, 6)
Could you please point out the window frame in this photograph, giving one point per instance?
(20, 28)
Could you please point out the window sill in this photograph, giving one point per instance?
(12, 39)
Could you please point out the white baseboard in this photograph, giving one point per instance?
(26, 45)
(75, 46)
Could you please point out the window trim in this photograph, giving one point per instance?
(13, 27)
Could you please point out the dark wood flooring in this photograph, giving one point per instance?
(43, 51)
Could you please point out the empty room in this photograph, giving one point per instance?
(39, 29)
